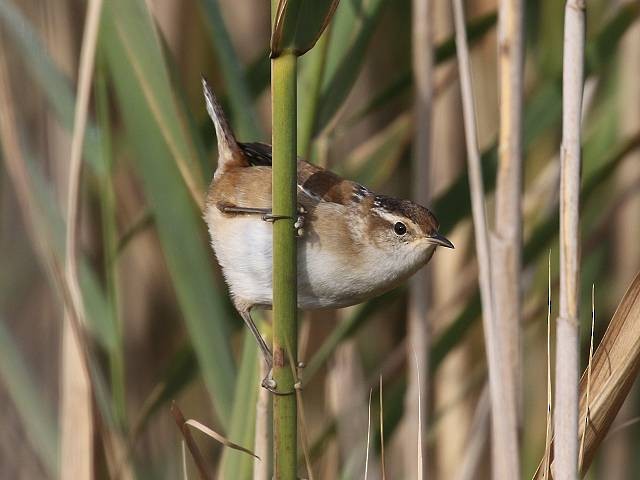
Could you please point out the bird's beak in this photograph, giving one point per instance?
(441, 240)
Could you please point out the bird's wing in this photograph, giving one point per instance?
(315, 182)
(258, 154)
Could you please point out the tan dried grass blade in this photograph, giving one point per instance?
(183, 449)
(547, 441)
(382, 466)
(613, 370)
(218, 438)
(587, 412)
(198, 459)
(366, 462)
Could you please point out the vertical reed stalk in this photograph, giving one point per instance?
(506, 247)
(285, 331)
(446, 270)
(419, 298)
(477, 439)
(567, 354)
(261, 438)
(504, 435)
(77, 413)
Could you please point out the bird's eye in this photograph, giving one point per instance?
(400, 228)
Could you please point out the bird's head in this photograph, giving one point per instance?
(405, 231)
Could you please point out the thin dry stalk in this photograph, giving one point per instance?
(183, 449)
(419, 297)
(506, 242)
(477, 438)
(366, 460)
(382, 467)
(504, 432)
(350, 411)
(547, 441)
(304, 435)
(420, 441)
(76, 402)
(567, 354)
(614, 368)
(261, 439)
(586, 413)
(302, 419)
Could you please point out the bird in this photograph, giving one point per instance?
(353, 244)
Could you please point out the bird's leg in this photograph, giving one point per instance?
(267, 382)
(268, 216)
(266, 351)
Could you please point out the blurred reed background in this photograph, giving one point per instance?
(154, 318)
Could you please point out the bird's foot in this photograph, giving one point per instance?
(269, 383)
(299, 225)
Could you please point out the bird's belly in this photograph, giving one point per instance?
(243, 246)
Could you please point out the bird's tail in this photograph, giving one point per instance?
(229, 152)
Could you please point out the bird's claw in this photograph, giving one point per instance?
(271, 385)
(299, 225)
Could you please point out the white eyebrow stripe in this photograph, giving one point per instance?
(391, 218)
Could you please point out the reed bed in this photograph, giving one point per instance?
(113, 309)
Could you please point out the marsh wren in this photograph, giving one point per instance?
(353, 244)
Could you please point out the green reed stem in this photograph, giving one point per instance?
(285, 328)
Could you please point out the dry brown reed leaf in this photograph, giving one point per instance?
(191, 445)
(613, 370)
(198, 459)
(218, 438)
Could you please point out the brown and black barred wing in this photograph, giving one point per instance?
(315, 182)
